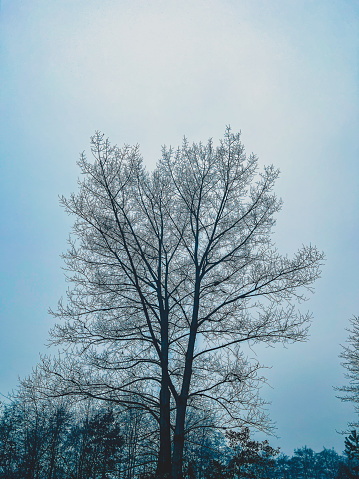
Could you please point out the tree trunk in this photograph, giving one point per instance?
(178, 441)
(164, 458)
(178, 438)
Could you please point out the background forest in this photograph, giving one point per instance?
(60, 440)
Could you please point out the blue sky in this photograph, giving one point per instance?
(283, 72)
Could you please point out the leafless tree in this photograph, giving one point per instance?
(350, 356)
(171, 274)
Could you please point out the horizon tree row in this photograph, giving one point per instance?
(63, 439)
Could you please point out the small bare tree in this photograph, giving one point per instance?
(172, 273)
(350, 356)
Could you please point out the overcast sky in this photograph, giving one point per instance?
(284, 72)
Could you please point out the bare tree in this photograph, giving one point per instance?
(350, 356)
(172, 273)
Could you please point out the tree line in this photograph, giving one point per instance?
(86, 440)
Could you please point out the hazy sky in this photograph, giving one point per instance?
(284, 72)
